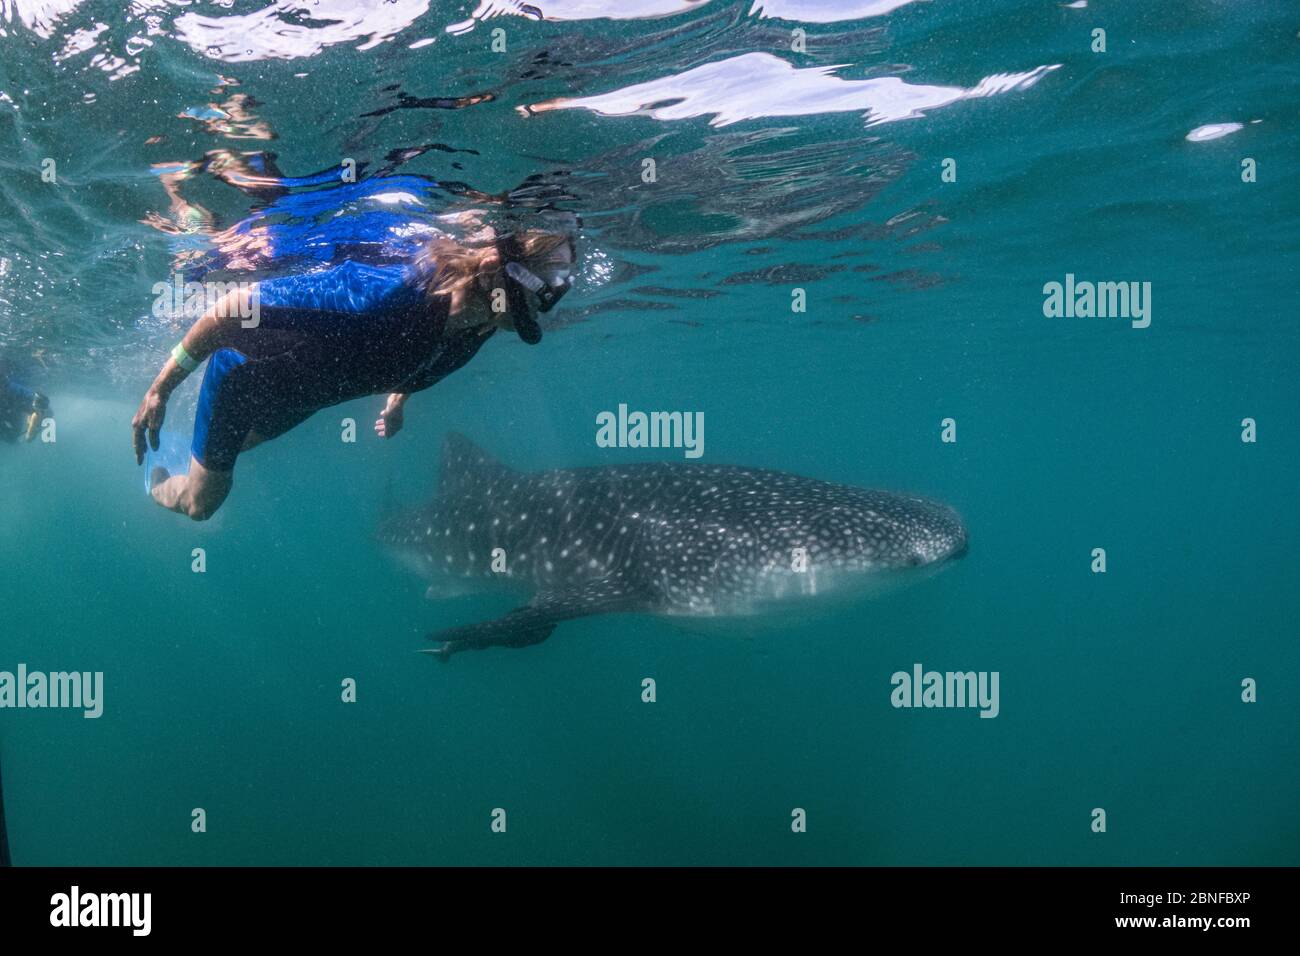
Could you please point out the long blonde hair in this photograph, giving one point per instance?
(455, 266)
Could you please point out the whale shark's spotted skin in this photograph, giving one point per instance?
(677, 538)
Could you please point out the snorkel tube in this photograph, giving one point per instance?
(523, 281)
(40, 404)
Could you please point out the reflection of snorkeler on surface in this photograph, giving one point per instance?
(307, 224)
(233, 119)
(254, 174)
(22, 408)
(353, 329)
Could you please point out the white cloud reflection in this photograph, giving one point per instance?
(756, 85)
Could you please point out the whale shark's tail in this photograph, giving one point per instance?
(4, 833)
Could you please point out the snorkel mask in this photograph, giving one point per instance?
(523, 282)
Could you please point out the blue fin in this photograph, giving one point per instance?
(173, 454)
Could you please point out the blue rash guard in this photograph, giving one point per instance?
(323, 338)
(16, 403)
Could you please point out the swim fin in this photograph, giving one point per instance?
(173, 454)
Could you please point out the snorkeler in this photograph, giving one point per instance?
(22, 408)
(325, 337)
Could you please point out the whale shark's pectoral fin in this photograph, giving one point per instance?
(534, 622)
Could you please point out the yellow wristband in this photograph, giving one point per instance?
(183, 359)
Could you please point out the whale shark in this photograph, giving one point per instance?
(684, 540)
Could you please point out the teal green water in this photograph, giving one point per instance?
(924, 302)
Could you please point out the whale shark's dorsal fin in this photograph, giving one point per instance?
(465, 467)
